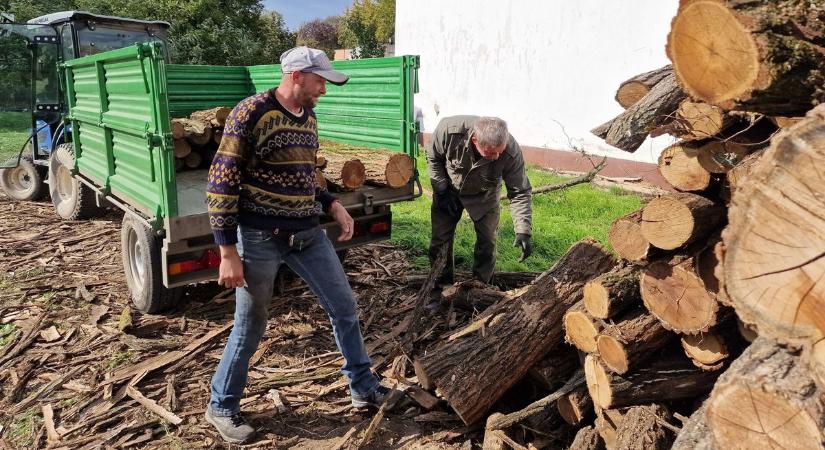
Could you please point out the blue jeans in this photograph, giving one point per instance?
(316, 262)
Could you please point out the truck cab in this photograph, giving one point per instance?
(32, 98)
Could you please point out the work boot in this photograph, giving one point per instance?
(233, 429)
(377, 398)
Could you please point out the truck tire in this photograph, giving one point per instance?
(72, 199)
(24, 182)
(140, 250)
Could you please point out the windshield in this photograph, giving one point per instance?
(102, 39)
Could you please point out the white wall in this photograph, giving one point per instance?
(539, 64)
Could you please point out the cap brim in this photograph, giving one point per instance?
(334, 77)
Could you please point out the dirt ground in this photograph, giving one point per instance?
(74, 357)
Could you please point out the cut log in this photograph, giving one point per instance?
(736, 177)
(612, 293)
(765, 57)
(581, 330)
(674, 293)
(587, 438)
(193, 160)
(721, 156)
(747, 331)
(556, 368)
(382, 167)
(632, 339)
(607, 422)
(785, 122)
(195, 131)
(706, 264)
(178, 132)
(343, 173)
(775, 243)
(182, 148)
(215, 116)
(695, 434)
(515, 333)
(708, 351)
(492, 438)
(630, 129)
(676, 220)
(634, 89)
(644, 428)
(472, 295)
(320, 181)
(661, 380)
(679, 165)
(575, 407)
(767, 399)
(627, 240)
(699, 121)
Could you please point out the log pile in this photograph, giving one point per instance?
(197, 137)
(708, 331)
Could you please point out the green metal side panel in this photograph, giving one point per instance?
(374, 109)
(117, 105)
(194, 88)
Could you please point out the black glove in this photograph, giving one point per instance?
(447, 201)
(523, 241)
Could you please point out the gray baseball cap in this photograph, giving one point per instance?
(305, 59)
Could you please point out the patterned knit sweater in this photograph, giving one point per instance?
(263, 175)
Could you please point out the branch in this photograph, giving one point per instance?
(511, 419)
(585, 178)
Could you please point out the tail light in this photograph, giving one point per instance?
(208, 260)
(379, 227)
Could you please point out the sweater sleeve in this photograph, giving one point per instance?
(225, 175)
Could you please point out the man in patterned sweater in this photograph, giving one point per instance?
(264, 209)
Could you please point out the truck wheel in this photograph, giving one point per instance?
(24, 182)
(72, 199)
(140, 250)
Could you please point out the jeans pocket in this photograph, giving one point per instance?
(303, 239)
(253, 236)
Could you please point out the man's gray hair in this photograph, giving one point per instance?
(490, 131)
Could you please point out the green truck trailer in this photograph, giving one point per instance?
(95, 127)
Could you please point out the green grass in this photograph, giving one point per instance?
(13, 133)
(8, 333)
(559, 219)
(24, 426)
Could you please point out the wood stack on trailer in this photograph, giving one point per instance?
(709, 330)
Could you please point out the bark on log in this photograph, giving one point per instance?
(196, 131)
(695, 434)
(699, 121)
(182, 148)
(634, 89)
(661, 380)
(631, 340)
(555, 368)
(472, 295)
(814, 356)
(627, 240)
(515, 333)
(581, 330)
(679, 165)
(575, 407)
(643, 428)
(674, 293)
(215, 116)
(630, 129)
(736, 177)
(587, 438)
(612, 293)
(765, 57)
(676, 220)
(774, 260)
(607, 422)
(766, 399)
(343, 172)
(178, 132)
(382, 167)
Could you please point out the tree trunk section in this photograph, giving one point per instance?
(182, 148)
(612, 293)
(576, 406)
(676, 220)
(343, 172)
(382, 167)
(587, 438)
(660, 380)
(630, 129)
(632, 339)
(674, 293)
(698, 121)
(642, 429)
(775, 243)
(515, 333)
(695, 434)
(215, 116)
(627, 240)
(679, 165)
(712, 350)
(634, 89)
(556, 368)
(765, 57)
(472, 295)
(767, 399)
(581, 330)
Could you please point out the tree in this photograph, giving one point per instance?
(320, 34)
(367, 26)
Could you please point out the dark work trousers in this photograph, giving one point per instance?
(484, 255)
